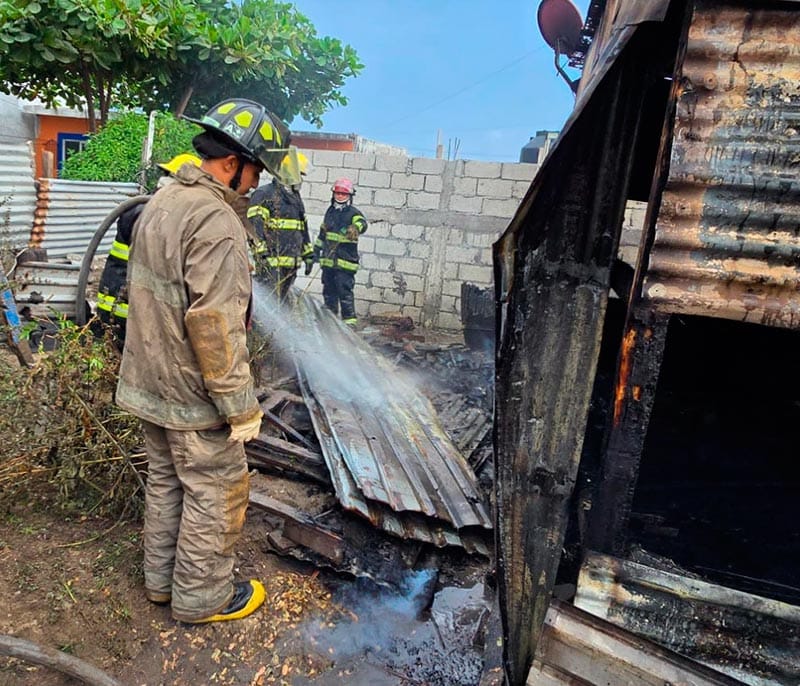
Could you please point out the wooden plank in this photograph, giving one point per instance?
(301, 529)
(748, 637)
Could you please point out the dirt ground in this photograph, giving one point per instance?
(76, 585)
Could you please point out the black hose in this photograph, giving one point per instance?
(88, 258)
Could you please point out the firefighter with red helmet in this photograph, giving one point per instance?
(336, 250)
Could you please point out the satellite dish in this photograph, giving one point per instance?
(560, 24)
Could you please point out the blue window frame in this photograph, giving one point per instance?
(69, 143)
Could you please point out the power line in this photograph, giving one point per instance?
(462, 90)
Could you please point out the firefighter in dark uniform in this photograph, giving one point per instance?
(112, 300)
(278, 217)
(336, 250)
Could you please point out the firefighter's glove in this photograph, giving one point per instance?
(309, 267)
(352, 233)
(245, 427)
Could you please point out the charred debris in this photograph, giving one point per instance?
(375, 446)
(646, 458)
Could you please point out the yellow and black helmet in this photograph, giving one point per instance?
(249, 129)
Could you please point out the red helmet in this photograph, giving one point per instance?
(343, 186)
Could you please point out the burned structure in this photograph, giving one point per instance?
(644, 439)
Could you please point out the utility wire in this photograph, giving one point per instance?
(462, 90)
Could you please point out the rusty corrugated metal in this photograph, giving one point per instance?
(17, 192)
(69, 212)
(726, 242)
(748, 637)
(388, 456)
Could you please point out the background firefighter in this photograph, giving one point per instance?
(278, 217)
(112, 295)
(336, 250)
(185, 368)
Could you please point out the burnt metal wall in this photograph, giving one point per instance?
(727, 242)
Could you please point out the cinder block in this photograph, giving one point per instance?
(427, 165)
(500, 208)
(376, 179)
(452, 287)
(433, 184)
(366, 244)
(458, 203)
(495, 188)
(389, 198)
(475, 273)
(519, 171)
(343, 173)
(449, 321)
(385, 279)
(481, 240)
(327, 158)
(391, 163)
(410, 265)
(396, 298)
(520, 189)
(408, 182)
(455, 237)
(482, 170)
(408, 232)
(367, 293)
(423, 201)
(376, 263)
(378, 229)
(389, 246)
(421, 250)
(466, 186)
(448, 304)
(359, 160)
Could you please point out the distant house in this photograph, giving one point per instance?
(55, 130)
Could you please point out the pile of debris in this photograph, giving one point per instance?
(364, 475)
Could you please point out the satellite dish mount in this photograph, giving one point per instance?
(560, 24)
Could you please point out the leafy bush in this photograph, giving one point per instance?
(115, 152)
(63, 434)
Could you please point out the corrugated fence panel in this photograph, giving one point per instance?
(17, 193)
(726, 242)
(69, 212)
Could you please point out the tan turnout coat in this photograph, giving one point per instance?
(185, 364)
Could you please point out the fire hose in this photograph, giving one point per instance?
(88, 258)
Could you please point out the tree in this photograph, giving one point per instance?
(158, 53)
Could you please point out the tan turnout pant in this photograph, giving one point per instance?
(195, 502)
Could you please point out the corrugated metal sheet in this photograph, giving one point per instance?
(69, 212)
(388, 456)
(17, 192)
(46, 288)
(726, 239)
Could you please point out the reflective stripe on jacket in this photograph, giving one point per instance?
(333, 249)
(111, 296)
(278, 216)
(185, 364)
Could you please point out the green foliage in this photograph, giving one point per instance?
(157, 53)
(62, 429)
(114, 153)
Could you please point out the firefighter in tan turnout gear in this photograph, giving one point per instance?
(278, 217)
(185, 367)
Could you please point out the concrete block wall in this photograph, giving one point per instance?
(431, 227)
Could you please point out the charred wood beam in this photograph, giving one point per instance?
(275, 420)
(302, 529)
(274, 453)
(639, 365)
(579, 648)
(748, 637)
